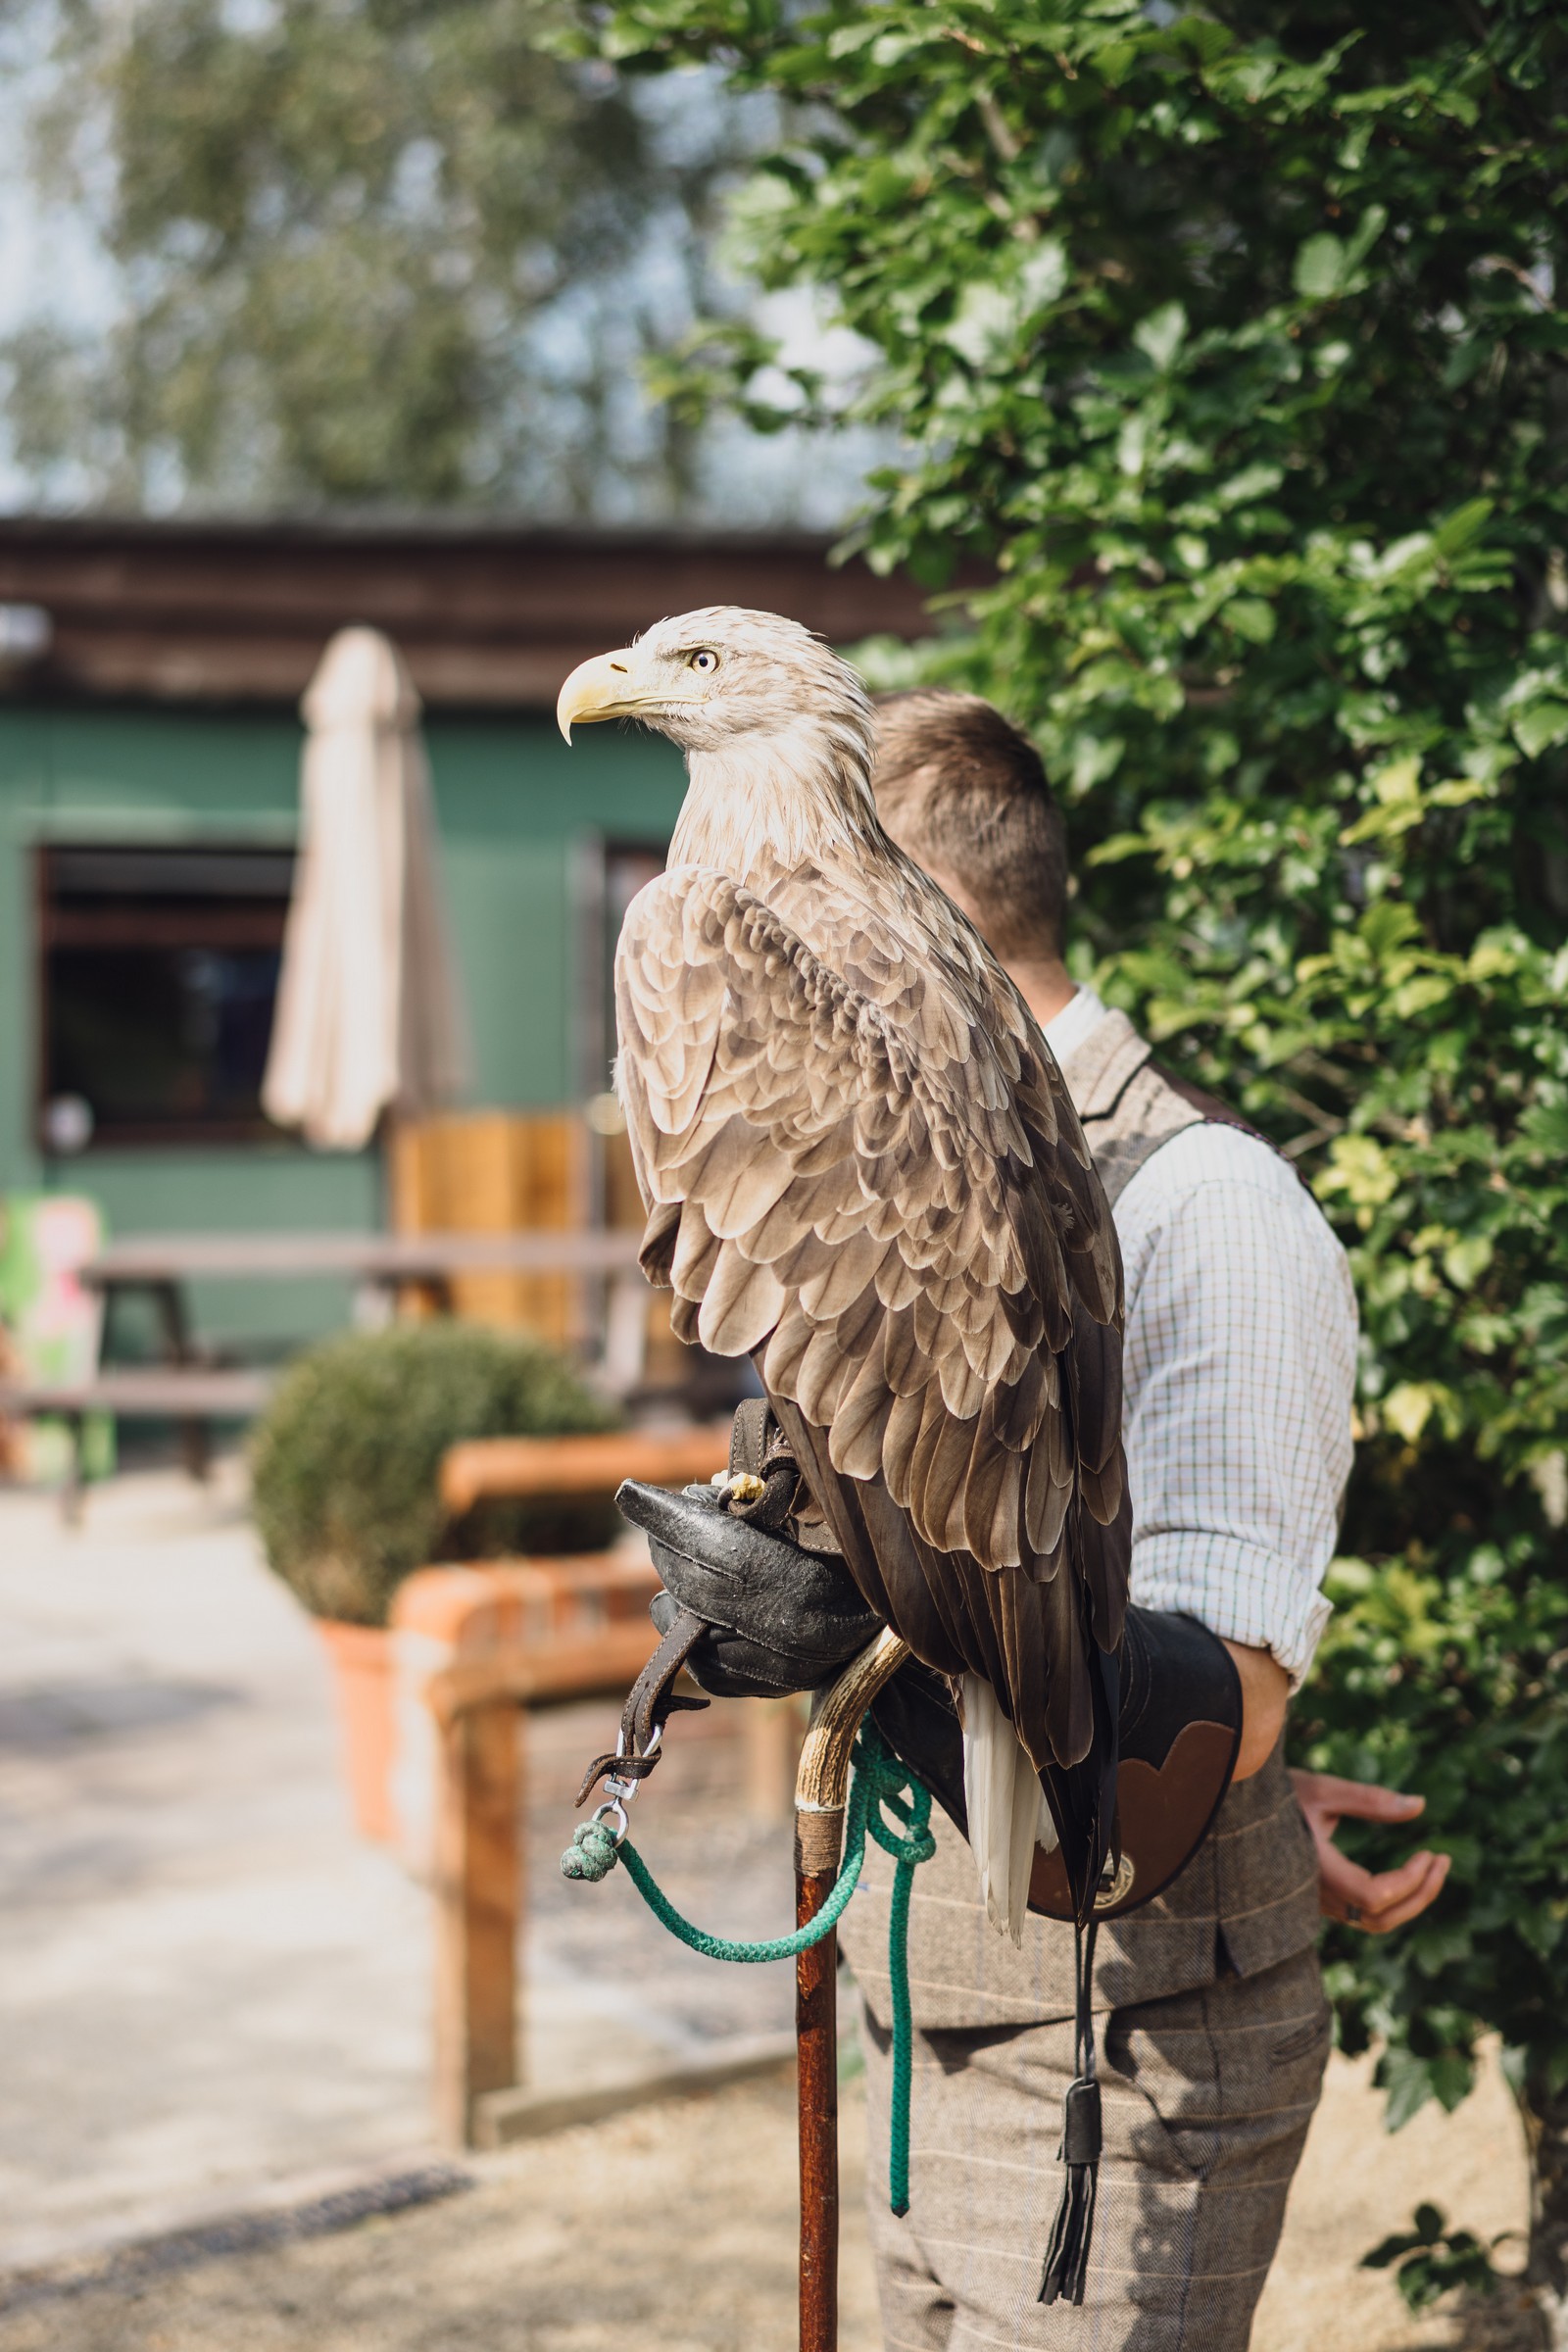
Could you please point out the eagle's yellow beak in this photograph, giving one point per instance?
(602, 688)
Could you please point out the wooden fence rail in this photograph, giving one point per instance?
(479, 1649)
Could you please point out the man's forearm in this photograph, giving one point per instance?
(1266, 1694)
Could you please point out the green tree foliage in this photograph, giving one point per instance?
(1232, 343)
(346, 1461)
(385, 250)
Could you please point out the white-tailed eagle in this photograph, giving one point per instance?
(862, 1167)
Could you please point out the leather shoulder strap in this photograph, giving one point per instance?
(1126, 1108)
(1215, 1113)
(1129, 1105)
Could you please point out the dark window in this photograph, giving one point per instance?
(160, 971)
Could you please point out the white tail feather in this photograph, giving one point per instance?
(1006, 1806)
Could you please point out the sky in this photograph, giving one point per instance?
(51, 264)
(49, 258)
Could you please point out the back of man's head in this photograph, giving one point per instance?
(964, 793)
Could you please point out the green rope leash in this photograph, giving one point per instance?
(888, 1804)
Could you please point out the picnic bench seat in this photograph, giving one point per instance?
(154, 1393)
(193, 1395)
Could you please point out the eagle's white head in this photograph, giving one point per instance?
(777, 730)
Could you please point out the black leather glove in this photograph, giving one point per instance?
(785, 1619)
(780, 1618)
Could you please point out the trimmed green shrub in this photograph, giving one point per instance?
(346, 1459)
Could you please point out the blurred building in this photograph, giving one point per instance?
(150, 676)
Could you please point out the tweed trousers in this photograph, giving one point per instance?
(1213, 2033)
(1207, 2099)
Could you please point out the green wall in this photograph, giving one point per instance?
(514, 806)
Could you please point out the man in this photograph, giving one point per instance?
(1239, 1367)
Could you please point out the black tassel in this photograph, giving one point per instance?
(1072, 2236)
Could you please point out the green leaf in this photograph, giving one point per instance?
(1463, 525)
(1161, 334)
(1420, 994)
(1131, 444)
(1119, 847)
(1383, 824)
(1398, 790)
(1400, 781)
(1464, 1262)
(1254, 481)
(1453, 2075)
(1043, 273)
(1408, 2083)
(1541, 726)
(1408, 1408)
(846, 39)
(983, 325)
(1320, 265)
(1361, 1169)
(1373, 221)
(1250, 618)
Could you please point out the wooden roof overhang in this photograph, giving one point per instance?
(489, 616)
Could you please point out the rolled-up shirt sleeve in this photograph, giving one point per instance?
(1240, 1370)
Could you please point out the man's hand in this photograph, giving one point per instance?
(1265, 1695)
(1361, 1898)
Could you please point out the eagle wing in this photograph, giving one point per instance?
(891, 1205)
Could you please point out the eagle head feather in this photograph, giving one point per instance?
(776, 729)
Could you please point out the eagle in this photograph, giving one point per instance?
(861, 1168)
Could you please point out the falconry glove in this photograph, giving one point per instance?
(781, 1617)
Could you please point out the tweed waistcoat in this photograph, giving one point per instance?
(1246, 1900)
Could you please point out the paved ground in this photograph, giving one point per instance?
(212, 2002)
(206, 1982)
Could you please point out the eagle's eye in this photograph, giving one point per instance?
(702, 660)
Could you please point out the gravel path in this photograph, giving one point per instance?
(672, 2229)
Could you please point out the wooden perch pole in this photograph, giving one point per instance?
(821, 1792)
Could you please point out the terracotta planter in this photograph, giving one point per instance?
(363, 1669)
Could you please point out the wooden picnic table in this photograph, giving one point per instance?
(380, 1258)
(379, 1264)
(187, 1386)
(190, 1392)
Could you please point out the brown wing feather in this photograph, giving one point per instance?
(861, 1165)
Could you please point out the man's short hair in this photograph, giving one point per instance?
(965, 792)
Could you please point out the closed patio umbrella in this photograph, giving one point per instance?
(368, 1013)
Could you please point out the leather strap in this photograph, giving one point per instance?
(747, 1436)
(1217, 1113)
(650, 1701)
(758, 1449)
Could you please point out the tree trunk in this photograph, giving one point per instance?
(1545, 2115)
